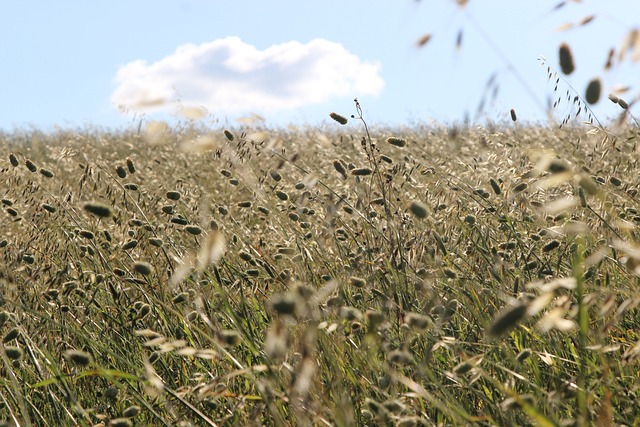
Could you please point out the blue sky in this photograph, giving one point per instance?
(73, 63)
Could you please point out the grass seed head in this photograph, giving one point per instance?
(193, 230)
(286, 304)
(129, 244)
(623, 104)
(374, 318)
(409, 421)
(121, 172)
(338, 118)
(418, 321)
(11, 335)
(507, 319)
(143, 268)
(228, 135)
(120, 422)
(179, 220)
(463, 368)
(400, 357)
(361, 172)
(131, 411)
(520, 187)
(566, 59)
(12, 352)
(30, 165)
(180, 298)
(424, 39)
(49, 208)
(4, 316)
(282, 195)
(418, 209)
(551, 246)
(339, 167)
(523, 355)
(78, 358)
(357, 282)
(143, 311)
(350, 313)
(46, 173)
(98, 209)
(13, 160)
(173, 195)
(111, 393)
(130, 166)
(396, 142)
(229, 338)
(514, 117)
(593, 91)
(275, 175)
(86, 234)
(155, 242)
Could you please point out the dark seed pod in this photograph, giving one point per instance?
(13, 353)
(179, 220)
(130, 244)
(11, 335)
(338, 118)
(566, 59)
(418, 209)
(131, 411)
(593, 91)
(275, 175)
(193, 230)
(46, 173)
(361, 172)
(495, 186)
(282, 195)
(523, 355)
(79, 358)
(285, 304)
(550, 246)
(130, 165)
(507, 319)
(173, 195)
(121, 172)
(143, 268)
(86, 234)
(339, 167)
(397, 142)
(520, 187)
(30, 165)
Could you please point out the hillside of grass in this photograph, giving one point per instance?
(320, 276)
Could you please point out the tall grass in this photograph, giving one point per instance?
(320, 276)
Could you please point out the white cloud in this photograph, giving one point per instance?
(229, 76)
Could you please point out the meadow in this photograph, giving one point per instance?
(338, 275)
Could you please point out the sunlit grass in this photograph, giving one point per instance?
(323, 276)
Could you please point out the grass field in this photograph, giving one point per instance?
(323, 276)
